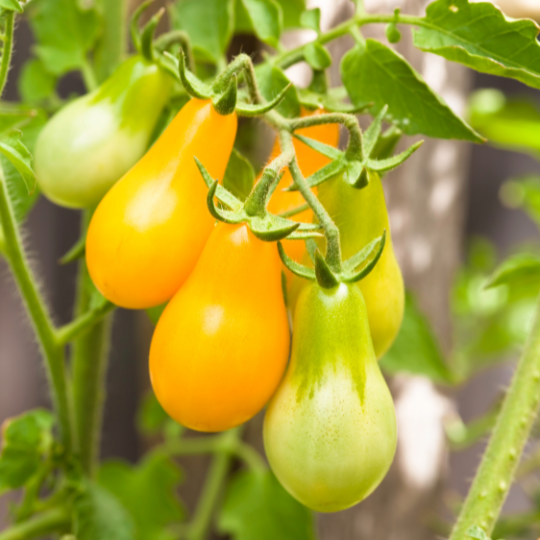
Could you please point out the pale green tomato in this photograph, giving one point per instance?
(330, 429)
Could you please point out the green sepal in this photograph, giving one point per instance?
(325, 277)
(147, 36)
(387, 143)
(221, 193)
(355, 174)
(226, 102)
(296, 268)
(76, 252)
(255, 204)
(301, 234)
(367, 258)
(325, 149)
(248, 109)
(191, 83)
(373, 132)
(134, 24)
(384, 165)
(217, 213)
(311, 247)
(271, 228)
(328, 171)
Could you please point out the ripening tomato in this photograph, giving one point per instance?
(221, 346)
(90, 143)
(149, 230)
(330, 430)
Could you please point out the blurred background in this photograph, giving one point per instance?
(447, 196)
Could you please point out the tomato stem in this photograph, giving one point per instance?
(55, 520)
(512, 430)
(7, 50)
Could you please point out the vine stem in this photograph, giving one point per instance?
(39, 315)
(7, 50)
(39, 526)
(512, 430)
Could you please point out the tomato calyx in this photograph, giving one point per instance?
(143, 40)
(353, 270)
(253, 212)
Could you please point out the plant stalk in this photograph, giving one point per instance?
(41, 525)
(39, 315)
(512, 430)
(7, 51)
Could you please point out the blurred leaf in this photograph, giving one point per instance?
(98, 515)
(479, 36)
(416, 349)
(239, 175)
(523, 193)
(311, 18)
(477, 533)
(291, 11)
(27, 441)
(374, 73)
(14, 150)
(64, 32)
(257, 507)
(14, 117)
(266, 19)
(148, 492)
(151, 417)
(317, 56)
(11, 5)
(507, 123)
(36, 83)
(209, 23)
(522, 269)
(272, 81)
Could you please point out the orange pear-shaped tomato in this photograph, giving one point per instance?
(150, 228)
(221, 346)
(309, 161)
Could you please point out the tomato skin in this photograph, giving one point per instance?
(221, 346)
(89, 144)
(149, 230)
(361, 216)
(309, 161)
(327, 445)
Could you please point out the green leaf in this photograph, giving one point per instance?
(151, 417)
(35, 82)
(292, 10)
(272, 81)
(311, 18)
(99, 515)
(11, 5)
(209, 24)
(477, 533)
(64, 32)
(523, 193)
(507, 123)
(147, 491)
(239, 176)
(266, 19)
(257, 507)
(317, 56)
(27, 441)
(522, 270)
(12, 148)
(377, 74)
(479, 36)
(416, 349)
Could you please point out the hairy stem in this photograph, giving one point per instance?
(512, 430)
(42, 525)
(7, 50)
(241, 63)
(39, 315)
(89, 364)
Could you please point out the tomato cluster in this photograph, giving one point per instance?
(220, 349)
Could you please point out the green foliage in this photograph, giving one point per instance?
(239, 176)
(311, 18)
(151, 417)
(317, 56)
(523, 193)
(291, 11)
(11, 5)
(266, 19)
(98, 515)
(521, 270)
(14, 150)
(376, 74)
(416, 349)
(272, 81)
(256, 507)
(479, 36)
(27, 445)
(65, 33)
(36, 84)
(147, 492)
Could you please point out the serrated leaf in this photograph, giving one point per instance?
(239, 175)
(257, 507)
(272, 81)
(311, 18)
(11, 5)
(64, 33)
(14, 150)
(148, 492)
(99, 515)
(521, 270)
(416, 350)
(375, 73)
(209, 24)
(266, 19)
(481, 37)
(27, 440)
(35, 82)
(317, 56)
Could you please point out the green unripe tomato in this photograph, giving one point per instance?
(330, 429)
(93, 141)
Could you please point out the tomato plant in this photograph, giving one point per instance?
(280, 289)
